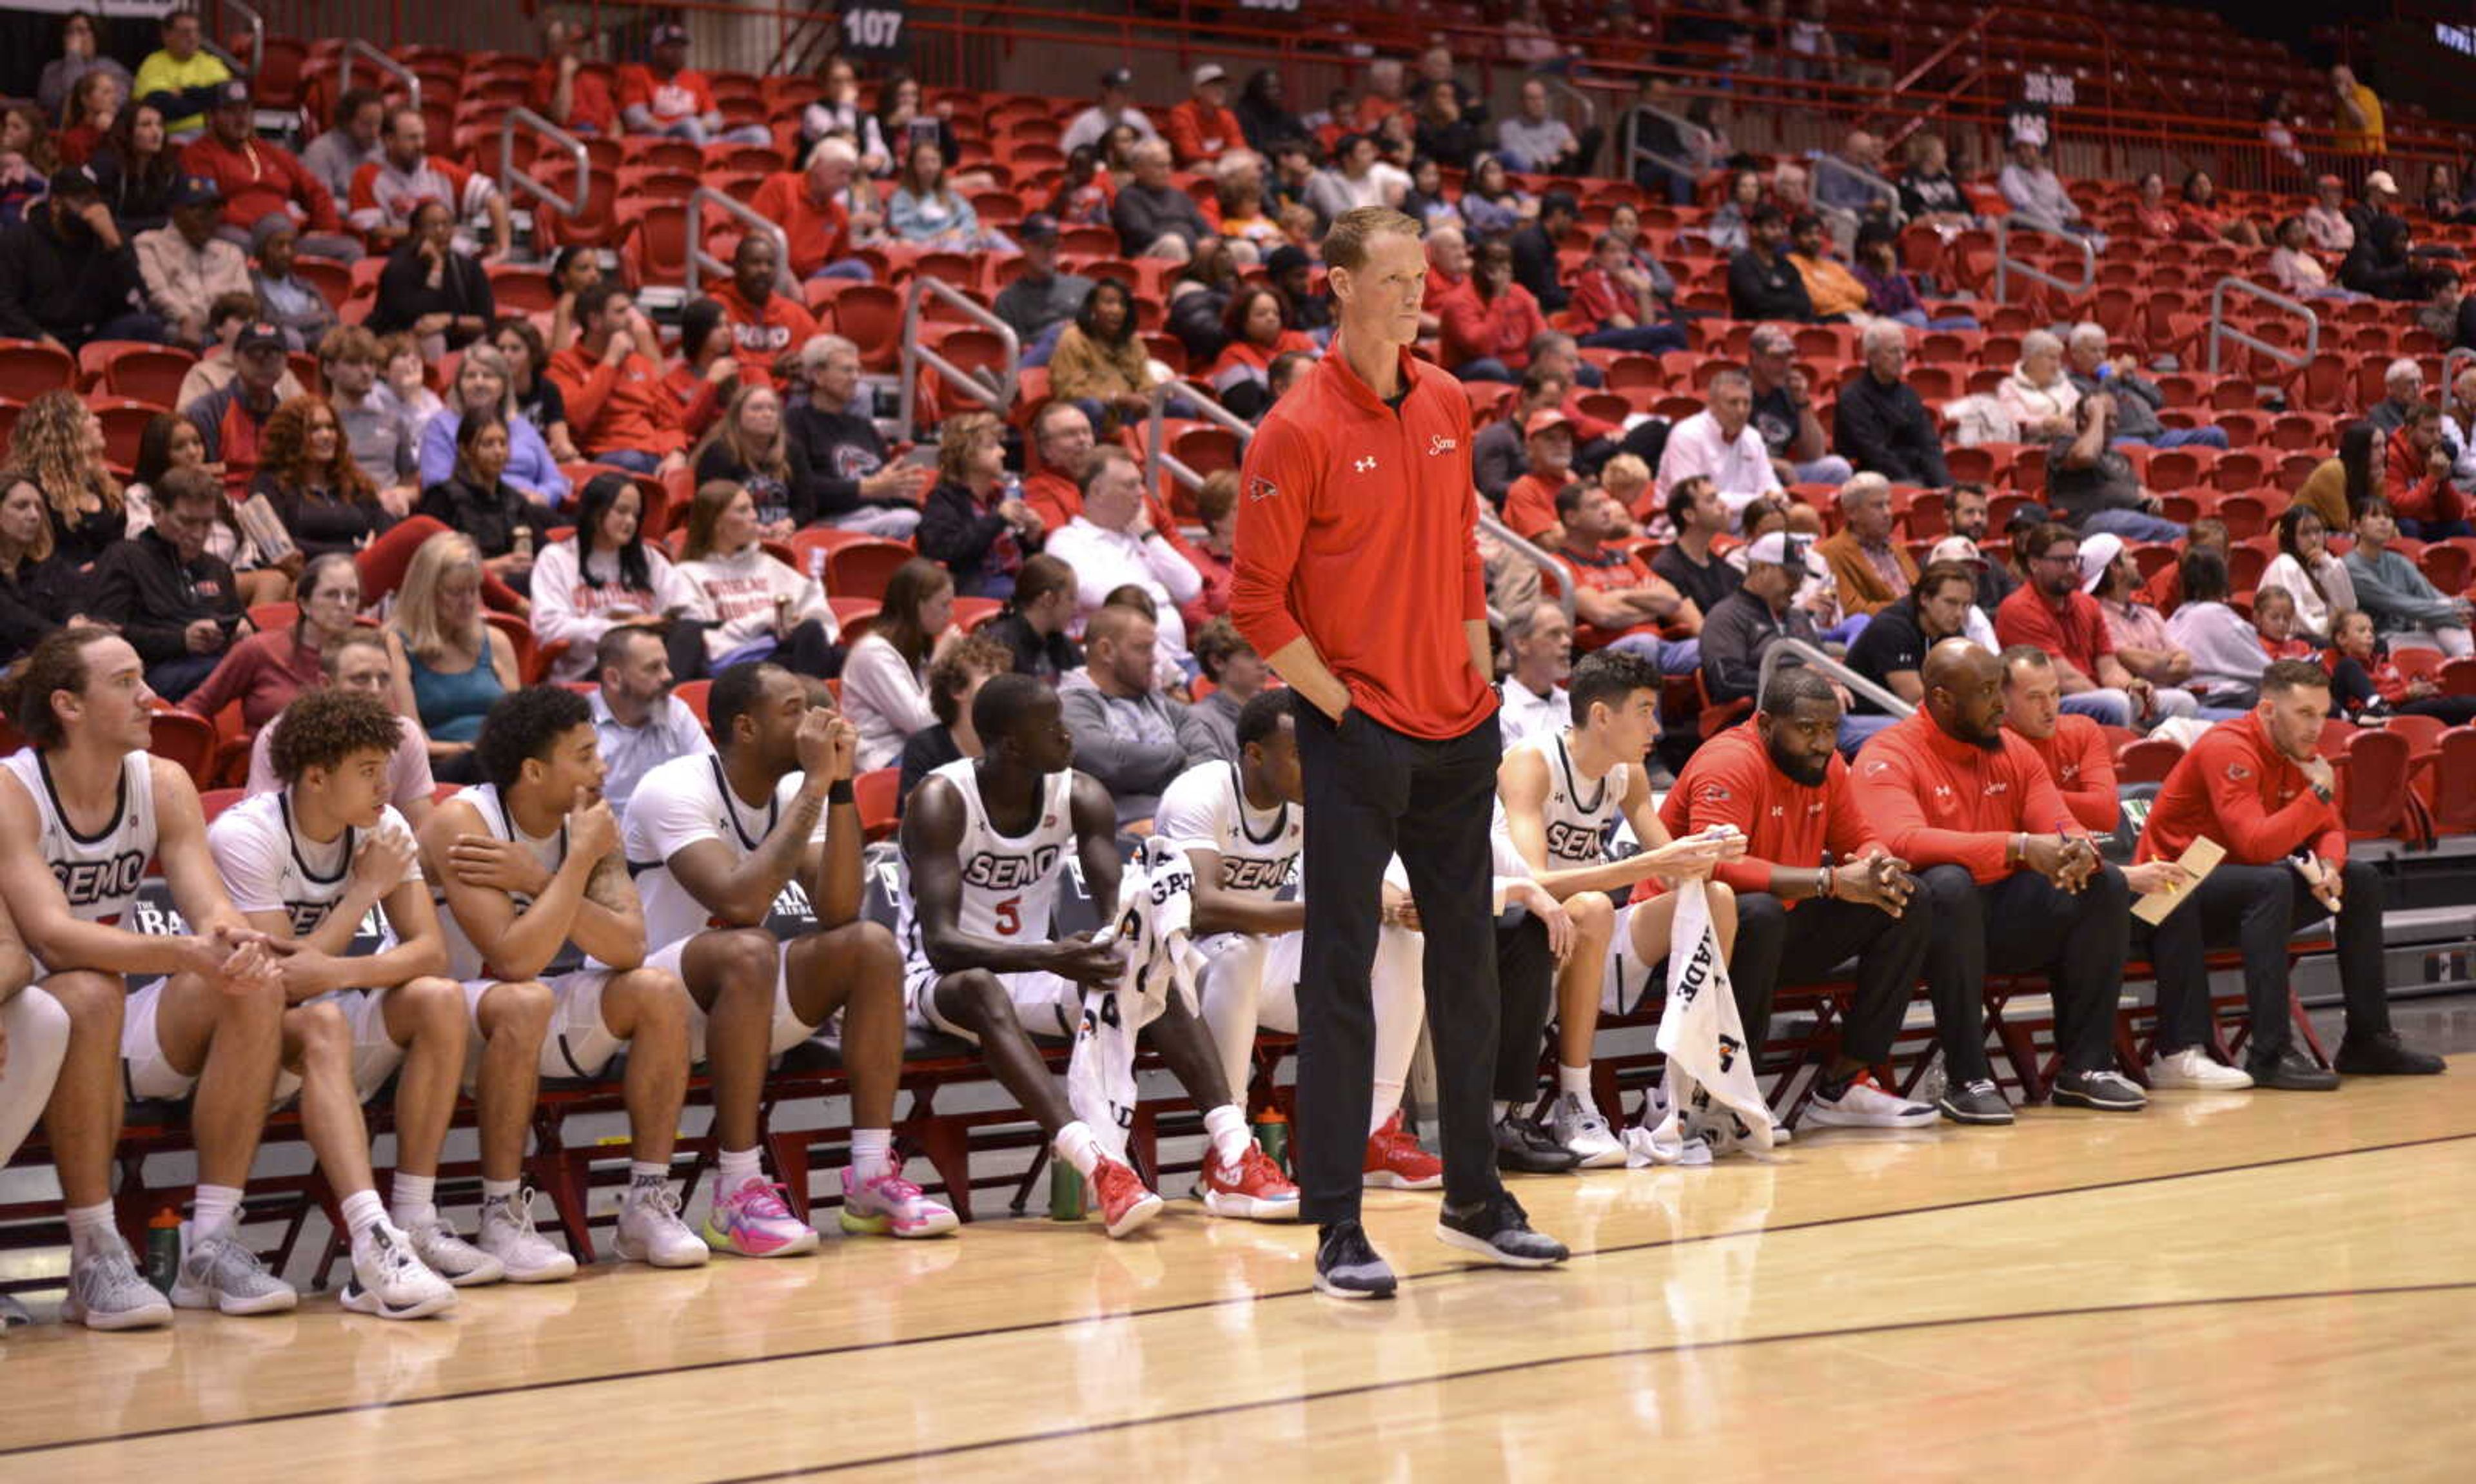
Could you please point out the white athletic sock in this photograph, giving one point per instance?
(1576, 1081)
(215, 1208)
(1227, 1126)
(362, 1211)
(89, 1228)
(738, 1166)
(644, 1177)
(1076, 1146)
(1388, 1102)
(872, 1154)
(414, 1199)
(496, 1190)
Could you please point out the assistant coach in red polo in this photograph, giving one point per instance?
(1357, 580)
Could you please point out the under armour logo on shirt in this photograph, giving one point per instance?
(1366, 465)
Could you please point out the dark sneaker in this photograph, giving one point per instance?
(1347, 1268)
(2105, 1092)
(2289, 1070)
(1526, 1146)
(1499, 1230)
(2384, 1054)
(1980, 1101)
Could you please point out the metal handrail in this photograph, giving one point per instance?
(1881, 188)
(1157, 454)
(256, 37)
(1537, 555)
(2005, 262)
(702, 262)
(1687, 130)
(378, 61)
(511, 178)
(1557, 87)
(2221, 330)
(1798, 649)
(916, 354)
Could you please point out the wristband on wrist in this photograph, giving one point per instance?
(838, 793)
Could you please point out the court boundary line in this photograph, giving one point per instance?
(994, 1331)
(1616, 1353)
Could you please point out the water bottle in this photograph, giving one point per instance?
(817, 566)
(1065, 1192)
(1273, 1136)
(164, 1249)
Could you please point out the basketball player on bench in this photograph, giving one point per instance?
(529, 864)
(306, 864)
(1241, 825)
(33, 1038)
(83, 809)
(714, 839)
(1558, 794)
(985, 842)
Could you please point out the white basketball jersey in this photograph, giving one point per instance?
(464, 961)
(267, 865)
(1010, 882)
(1577, 813)
(1205, 809)
(678, 804)
(98, 874)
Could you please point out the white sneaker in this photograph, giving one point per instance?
(651, 1232)
(1584, 1133)
(452, 1258)
(1863, 1104)
(528, 1256)
(107, 1292)
(388, 1280)
(219, 1272)
(2194, 1068)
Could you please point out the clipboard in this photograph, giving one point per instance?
(2200, 859)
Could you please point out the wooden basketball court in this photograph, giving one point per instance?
(2231, 1285)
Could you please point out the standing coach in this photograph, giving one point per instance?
(1357, 580)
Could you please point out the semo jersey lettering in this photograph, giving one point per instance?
(86, 882)
(1009, 873)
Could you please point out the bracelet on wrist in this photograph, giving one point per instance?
(839, 792)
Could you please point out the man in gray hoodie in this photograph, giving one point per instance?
(1127, 734)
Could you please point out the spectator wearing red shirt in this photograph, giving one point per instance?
(1398, 739)
(2416, 479)
(1530, 502)
(1811, 856)
(765, 324)
(807, 205)
(2012, 882)
(674, 100)
(260, 178)
(569, 92)
(1618, 601)
(2049, 611)
(617, 410)
(2073, 747)
(2259, 787)
(1612, 306)
(1061, 440)
(1449, 270)
(1201, 126)
(1489, 321)
(231, 419)
(387, 190)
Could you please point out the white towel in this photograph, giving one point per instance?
(1713, 1104)
(1155, 911)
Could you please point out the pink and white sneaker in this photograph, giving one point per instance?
(753, 1222)
(891, 1206)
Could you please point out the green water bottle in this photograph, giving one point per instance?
(1065, 1192)
(1272, 1137)
(164, 1249)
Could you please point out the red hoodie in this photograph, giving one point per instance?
(2413, 490)
(1502, 327)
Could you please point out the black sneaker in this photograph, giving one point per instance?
(2384, 1054)
(2105, 1092)
(1979, 1102)
(1499, 1230)
(2287, 1070)
(1347, 1267)
(1525, 1148)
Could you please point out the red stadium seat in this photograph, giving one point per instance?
(2146, 761)
(875, 794)
(862, 569)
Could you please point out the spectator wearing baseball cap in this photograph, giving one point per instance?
(1117, 105)
(1760, 614)
(232, 419)
(1201, 126)
(66, 276)
(179, 81)
(1530, 502)
(669, 98)
(1041, 301)
(186, 264)
(258, 176)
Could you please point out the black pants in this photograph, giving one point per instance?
(2023, 924)
(2256, 908)
(1372, 791)
(1525, 971)
(1776, 946)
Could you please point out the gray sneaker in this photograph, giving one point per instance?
(452, 1258)
(105, 1291)
(219, 1272)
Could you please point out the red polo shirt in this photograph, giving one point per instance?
(2075, 634)
(819, 234)
(2237, 788)
(2083, 770)
(1530, 505)
(589, 106)
(1937, 801)
(1333, 478)
(1197, 132)
(1731, 780)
